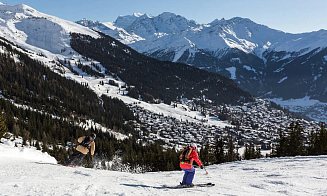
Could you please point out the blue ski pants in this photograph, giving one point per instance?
(188, 176)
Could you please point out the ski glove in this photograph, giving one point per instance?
(201, 166)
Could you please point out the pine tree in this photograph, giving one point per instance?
(204, 154)
(291, 145)
(231, 154)
(37, 145)
(318, 141)
(3, 126)
(219, 150)
(207, 155)
(250, 152)
(117, 164)
(312, 148)
(258, 152)
(281, 147)
(295, 146)
(321, 140)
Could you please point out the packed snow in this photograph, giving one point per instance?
(25, 171)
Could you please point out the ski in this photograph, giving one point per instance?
(205, 184)
(195, 185)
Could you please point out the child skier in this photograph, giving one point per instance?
(187, 157)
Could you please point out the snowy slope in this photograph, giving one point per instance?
(36, 31)
(110, 28)
(42, 176)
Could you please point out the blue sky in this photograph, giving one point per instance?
(292, 16)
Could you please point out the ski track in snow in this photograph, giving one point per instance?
(25, 171)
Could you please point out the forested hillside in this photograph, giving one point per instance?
(155, 80)
(45, 109)
(28, 82)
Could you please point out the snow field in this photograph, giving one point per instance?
(26, 171)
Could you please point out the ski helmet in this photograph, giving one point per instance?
(193, 145)
(93, 135)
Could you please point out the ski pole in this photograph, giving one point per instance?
(205, 170)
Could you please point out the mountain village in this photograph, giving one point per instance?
(256, 122)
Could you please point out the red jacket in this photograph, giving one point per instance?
(193, 157)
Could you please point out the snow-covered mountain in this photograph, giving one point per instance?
(215, 37)
(36, 31)
(25, 171)
(46, 39)
(266, 62)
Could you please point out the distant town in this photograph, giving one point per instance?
(255, 122)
